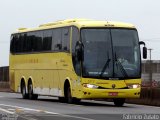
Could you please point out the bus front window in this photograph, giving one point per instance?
(126, 53)
(110, 53)
(97, 53)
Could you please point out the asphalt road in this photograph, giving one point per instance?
(13, 107)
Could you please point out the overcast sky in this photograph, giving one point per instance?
(144, 14)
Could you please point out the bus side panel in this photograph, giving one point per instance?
(12, 79)
(17, 80)
(44, 82)
(66, 72)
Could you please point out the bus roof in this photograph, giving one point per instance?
(79, 23)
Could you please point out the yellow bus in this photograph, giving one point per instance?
(77, 59)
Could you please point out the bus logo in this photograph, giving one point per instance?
(113, 86)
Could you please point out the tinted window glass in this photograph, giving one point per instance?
(35, 41)
(65, 39)
(30, 38)
(57, 38)
(75, 38)
(38, 43)
(126, 52)
(25, 42)
(18, 43)
(97, 53)
(47, 40)
(13, 41)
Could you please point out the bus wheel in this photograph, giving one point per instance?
(62, 99)
(30, 92)
(23, 91)
(119, 101)
(70, 99)
(69, 96)
(76, 100)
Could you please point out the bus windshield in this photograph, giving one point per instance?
(111, 53)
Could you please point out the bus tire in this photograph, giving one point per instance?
(62, 99)
(70, 99)
(76, 100)
(23, 91)
(69, 96)
(119, 101)
(31, 95)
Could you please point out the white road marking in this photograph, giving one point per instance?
(77, 117)
(11, 109)
(83, 118)
(21, 108)
(36, 110)
(4, 110)
(27, 118)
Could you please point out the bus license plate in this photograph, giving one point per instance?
(113, 93)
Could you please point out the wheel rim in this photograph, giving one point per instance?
(23, 91)
(69, 95)
(30, 91)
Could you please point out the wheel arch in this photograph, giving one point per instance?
(67, 83)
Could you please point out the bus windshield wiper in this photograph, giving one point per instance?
(105, 66)
(123, 71)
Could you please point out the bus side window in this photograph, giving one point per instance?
(30, 37)
(47, 40)
(75, 39)
(25, 43)
(12, 46)
(19, 44)
(65, 39)
(39, 39)
(57, 39)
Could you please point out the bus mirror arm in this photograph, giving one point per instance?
(144, 49)
(142, 43)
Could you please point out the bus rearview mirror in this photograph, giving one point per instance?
(144, 53)
(144, 49)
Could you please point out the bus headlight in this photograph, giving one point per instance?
(134, 86)
(90, 86)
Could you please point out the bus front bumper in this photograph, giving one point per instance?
(88, 93)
